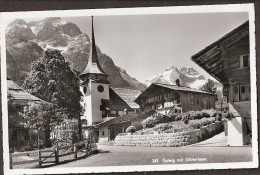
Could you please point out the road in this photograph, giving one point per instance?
(126, 155)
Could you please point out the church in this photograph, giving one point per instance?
(100, 101)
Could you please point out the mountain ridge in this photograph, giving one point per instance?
(27, 41)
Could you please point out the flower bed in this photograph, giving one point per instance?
(170, 139)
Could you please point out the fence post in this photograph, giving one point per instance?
(75, 150)
(11, 160)
(86, 147)
(40, 158)
(56, 155)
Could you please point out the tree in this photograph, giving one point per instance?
(52, 80)
(209, 86)
(43, 117)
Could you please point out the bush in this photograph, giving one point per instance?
(162, 127)
(156, 118)
(184, 117)
(173, 116)
(205, 114)
(178, 117)
(197, 115)
(196, 124)
(219, 117)
(131, 129)
(186, 121)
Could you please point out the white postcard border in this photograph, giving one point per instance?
(134, 11)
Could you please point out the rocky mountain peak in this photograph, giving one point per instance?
(29, 42)
(52, 19)
(17, 21)
(188, 71)
(172, 68)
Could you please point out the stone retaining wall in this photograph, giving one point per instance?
(170, 139)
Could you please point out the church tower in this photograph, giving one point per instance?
(94, 86)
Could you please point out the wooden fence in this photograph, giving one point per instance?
(53, 156)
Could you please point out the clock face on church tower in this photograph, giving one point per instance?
(100, 88)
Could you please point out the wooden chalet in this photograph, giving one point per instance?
(228, 60)
(18, 98)
(166, 98)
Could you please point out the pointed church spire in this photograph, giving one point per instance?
(93, 66)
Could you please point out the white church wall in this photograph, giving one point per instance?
(96, 97)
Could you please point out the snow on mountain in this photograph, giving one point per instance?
(197, 84)
(168, 76)
(187, 76)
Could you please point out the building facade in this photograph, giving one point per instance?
(18, 98)
(166, 98)
(228, 60)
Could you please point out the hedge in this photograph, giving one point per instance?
(158, 118)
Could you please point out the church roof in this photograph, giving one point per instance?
(93, 65)
(115, 102)
(128, 95)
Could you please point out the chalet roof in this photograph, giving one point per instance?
(115, 102)
(210, 59)
(128, 95)
(93, 63)
(19, 95)
(182, 88)
(173, 87)
(126, 118)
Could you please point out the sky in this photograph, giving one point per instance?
(145, 45)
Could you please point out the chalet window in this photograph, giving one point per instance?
(103, 133)
(120, 112)
(112, 112)
(236, 90)
(244, 61)
(243, 89)
(198, 102)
